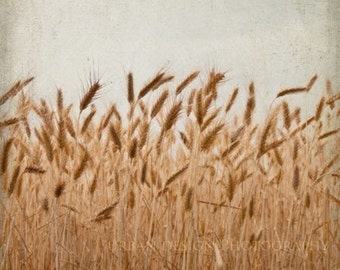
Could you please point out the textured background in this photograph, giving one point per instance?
(275, 43)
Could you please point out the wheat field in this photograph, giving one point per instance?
(176, 182)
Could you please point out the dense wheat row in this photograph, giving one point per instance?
(179, 182)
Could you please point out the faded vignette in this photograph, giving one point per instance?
(11, 71)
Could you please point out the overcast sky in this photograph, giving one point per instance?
(276, 43)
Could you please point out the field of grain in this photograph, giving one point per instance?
(176, 182)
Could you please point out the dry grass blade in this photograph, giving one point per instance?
(172, 116)
(264, 135)
(307, 200)
(14, 179)
(108, 116)
(9, 122)
(186, 82)
(311, 82)
(87, 121)
(219, 204)
(47, 145)
(59, 189)
(231, 188)
(296, 149)
(36, 170)
(38, 135)
(26, 82)
(93, 185)
(106, 213)
(329, 93)
(5, 155)
(150, 86)
(231, 100)
(333, 198)
(143, 133)
(173, 177)
(143, 173)
(214, 79)
(298, 89)
(230, 148)
(163, 81)
(131, 95)
(185, 140)
(189, 199)
(69, 126)
(115, 137)
(278, 157)
(209, 120)
(237, 134)
(27, 127)
(159, 103)
(199, 108)
(296, 178)
(329, 164)
(61, 133)
(319, 109)
(71, 208)
(116, 113)
(327, 134)
(250, 105)
(209, 138)
(47, 116)
(81, 167)
(11, 92)
(133, 148)
(15, 89)
(60, 102)
(286, 117)
(295, 115)
(45, 205)
(291, 91)
(133, 126)
(90, 95)
(303, 126)
(206, 104)
(334, 98)
(143, 108)
(270, 146)
(190, 102)
(131, 199)
(251, 207)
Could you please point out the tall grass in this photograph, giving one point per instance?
(179, 182)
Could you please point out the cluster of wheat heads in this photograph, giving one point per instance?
(179, 182)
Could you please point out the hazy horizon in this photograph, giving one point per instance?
(276, 44)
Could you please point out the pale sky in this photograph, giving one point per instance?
(276, 43)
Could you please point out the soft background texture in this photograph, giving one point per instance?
(277, 44)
